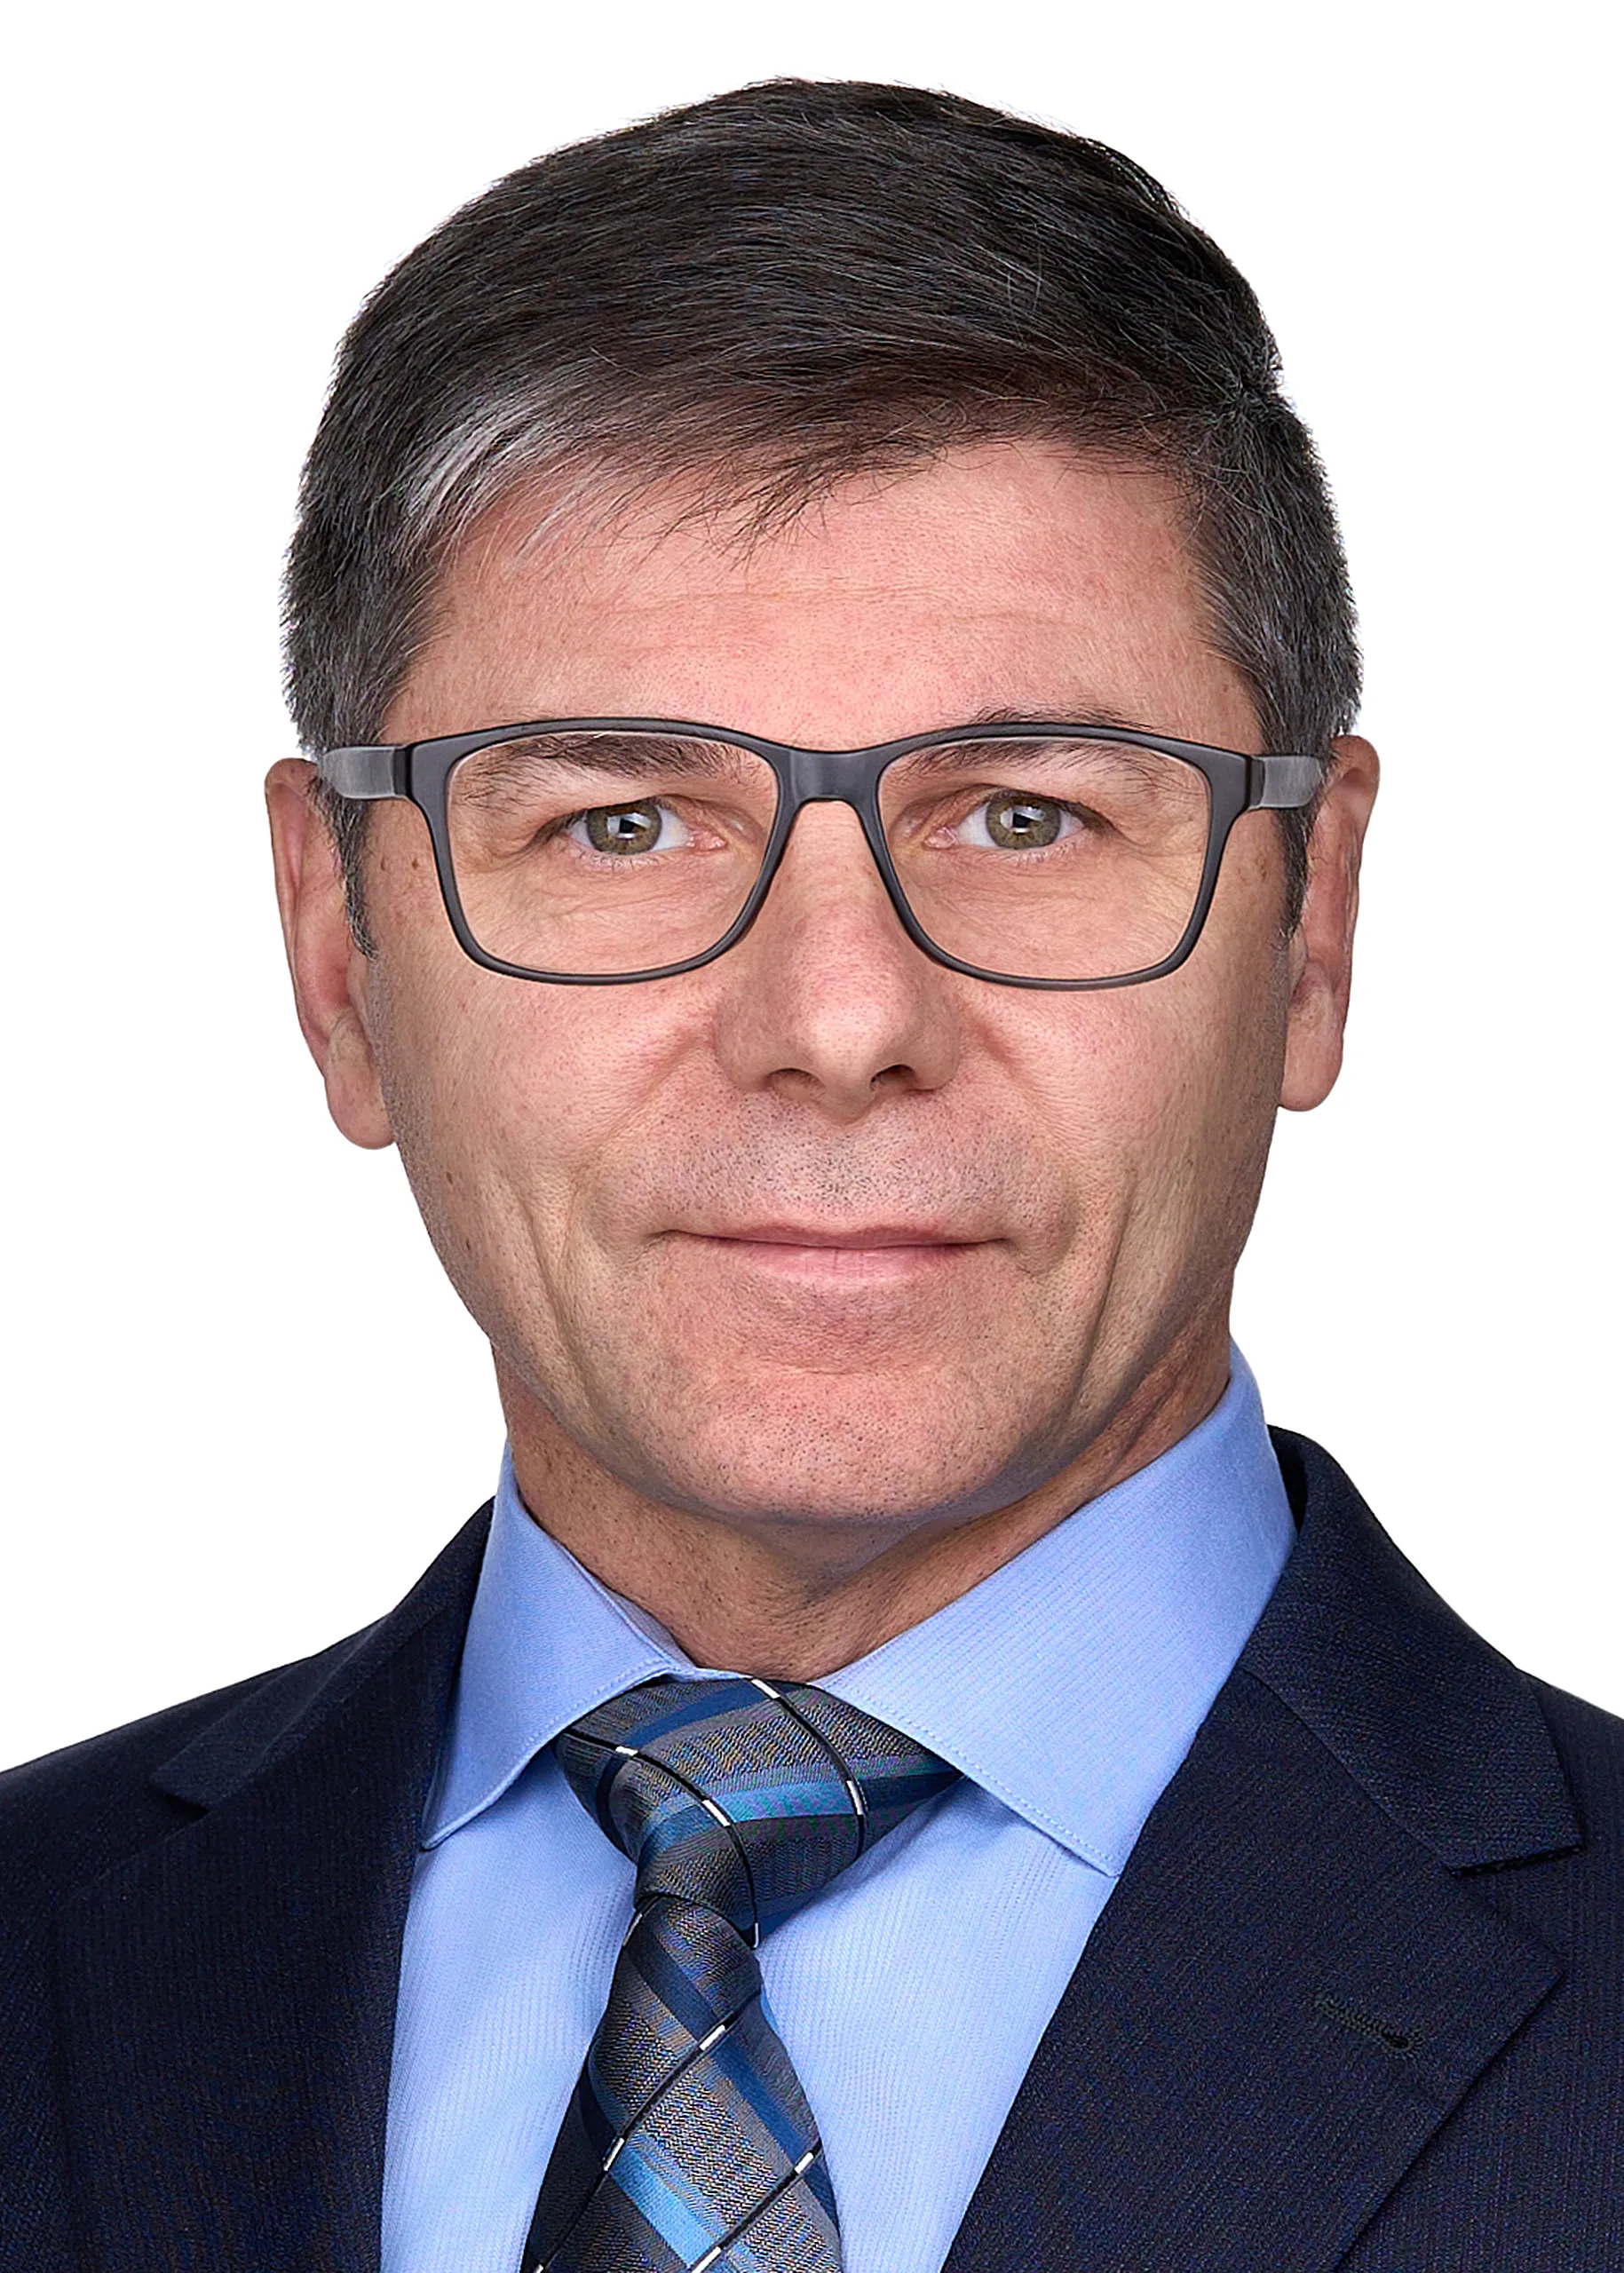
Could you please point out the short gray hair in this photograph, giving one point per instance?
(765, 293)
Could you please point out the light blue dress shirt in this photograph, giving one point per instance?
(912, 1993)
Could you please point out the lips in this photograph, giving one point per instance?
(860, 1238)
(823, 1256)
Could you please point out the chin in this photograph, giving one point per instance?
(851, 1447)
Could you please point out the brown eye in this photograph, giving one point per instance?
(628, 829)
(1019, 824)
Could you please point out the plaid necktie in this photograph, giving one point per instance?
(688, 2146)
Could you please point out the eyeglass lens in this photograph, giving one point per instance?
(591, 853)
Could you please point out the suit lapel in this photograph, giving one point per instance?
(228, 1996)
(1290, 1989)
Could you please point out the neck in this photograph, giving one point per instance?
(799, 1598)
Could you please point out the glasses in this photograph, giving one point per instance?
(592, 852)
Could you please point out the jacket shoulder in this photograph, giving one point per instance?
(65, 1817)
(70, 1814)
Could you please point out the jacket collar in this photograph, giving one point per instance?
(259, 1731)
(1440, 1730)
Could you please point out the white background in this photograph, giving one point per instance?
(245, 1409)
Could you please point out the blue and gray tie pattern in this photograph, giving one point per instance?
(688, 2146)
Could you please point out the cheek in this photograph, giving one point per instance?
(507, 1098)
(1155, 1103)
(1106, 1079)
(1227, 1010)
(468, 1058)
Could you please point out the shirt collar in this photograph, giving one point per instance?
(1069, 1684)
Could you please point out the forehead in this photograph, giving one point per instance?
(1009, 576)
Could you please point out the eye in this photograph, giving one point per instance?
(643, 827)
(1015, 823)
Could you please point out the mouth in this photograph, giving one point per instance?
(819, 1252)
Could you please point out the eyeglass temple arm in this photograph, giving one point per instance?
(1285, 784)
(375, 770)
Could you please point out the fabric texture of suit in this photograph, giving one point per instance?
(1357, 2003)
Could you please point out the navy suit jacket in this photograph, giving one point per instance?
(1358, 2002)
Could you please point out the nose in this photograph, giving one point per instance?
(825, 998)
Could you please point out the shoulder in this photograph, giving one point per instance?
(67, 1817)
(69, 1814)
(1486, 1764)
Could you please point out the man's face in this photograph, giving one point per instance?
(823, 1232)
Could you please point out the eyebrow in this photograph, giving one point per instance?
(1089, 715)
(494, 770)
(1125, 762)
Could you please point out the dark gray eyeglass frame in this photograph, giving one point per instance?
(421, 772)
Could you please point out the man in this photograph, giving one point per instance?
(835, 826)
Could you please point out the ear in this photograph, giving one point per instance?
(331, 977)
(1322, 945)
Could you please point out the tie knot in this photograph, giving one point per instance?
(747, 1796)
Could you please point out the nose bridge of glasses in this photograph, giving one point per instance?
(843, 777)
(834, 777)
(837, 777)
